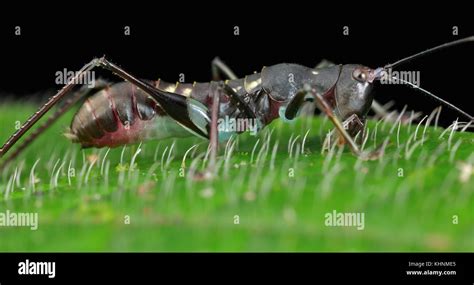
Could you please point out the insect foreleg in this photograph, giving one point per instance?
(354, 124)
(325, 107)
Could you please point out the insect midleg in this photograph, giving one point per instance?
(213, 143)
(164, 98)
(218, 66)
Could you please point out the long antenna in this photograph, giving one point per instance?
(426, 92)
(425, 52)
(380, 72)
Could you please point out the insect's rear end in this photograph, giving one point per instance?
(121, 114)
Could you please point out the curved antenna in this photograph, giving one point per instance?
(426, 92)
(425, 52)
(379, 73)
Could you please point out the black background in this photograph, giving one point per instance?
(166, 41)
(353, 268)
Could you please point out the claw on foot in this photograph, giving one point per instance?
(375, 154)
(202, 175)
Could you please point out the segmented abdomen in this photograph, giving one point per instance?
(121, 114)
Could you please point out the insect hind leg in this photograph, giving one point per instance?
(33, 119)
(83, 92)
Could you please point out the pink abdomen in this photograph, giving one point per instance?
(121, 114)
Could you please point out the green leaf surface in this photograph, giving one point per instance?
(417, 197)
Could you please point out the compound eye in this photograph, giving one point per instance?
(359, 75)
